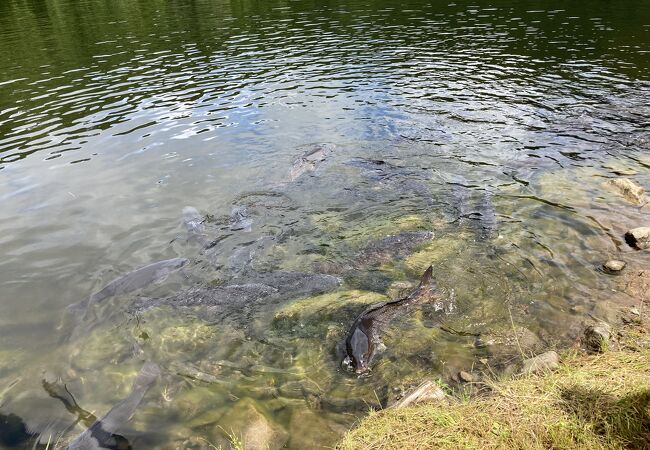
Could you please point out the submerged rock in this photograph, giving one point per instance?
(545, 362)
(427, 391)
(439, 249)
(596, 337)
(256, 431)
(312, 312)
(399, 289)
(309, 430)
(629, 189)
(613, 266)
(638, 238)
(394, 247)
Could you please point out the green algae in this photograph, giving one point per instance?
(444, 248)
(321, 310)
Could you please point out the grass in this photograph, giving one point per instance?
(590, 402)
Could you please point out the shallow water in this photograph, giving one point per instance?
(114, 116)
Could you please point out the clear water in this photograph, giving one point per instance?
(114, 116)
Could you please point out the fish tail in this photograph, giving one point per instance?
(427, 278)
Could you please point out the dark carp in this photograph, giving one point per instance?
(364, 341)
(138, 279)
(310, 160)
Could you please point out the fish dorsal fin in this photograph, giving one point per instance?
(427, 278)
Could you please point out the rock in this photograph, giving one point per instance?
(465, 376)
(441, 249)
(632, 192)
(309, 430)
(545, 362)
(255, 430)
(312, 314)
(638, 238)
(613, 266)
(596, 337)
(399, 289)
(428, 391)
(297, 389)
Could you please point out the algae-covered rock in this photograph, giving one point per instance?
(199, 405)
(102, 347)
(596, 337)
(309, 430)
(442, 248)
(255, 430)
(374, 228)
(629, 189)
(342, 306)
(393, 248)
(399, 289)
(176, 337)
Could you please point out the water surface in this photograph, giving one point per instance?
(114, 116)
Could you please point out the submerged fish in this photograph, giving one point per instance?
(102, 433)
(484, 217)
(193, 221)
(138, 278)
(310, 159)
(240, 219)
(57, 389)
(480, 213)
(363, 340)
(79, 312)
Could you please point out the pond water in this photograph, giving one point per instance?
(478, 135)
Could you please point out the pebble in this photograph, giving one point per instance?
(465, 377)
(613, 266)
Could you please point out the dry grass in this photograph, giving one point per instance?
(591, 402)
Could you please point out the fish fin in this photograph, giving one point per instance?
(427, 278)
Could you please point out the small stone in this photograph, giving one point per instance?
(635, 311)
(638, 238)
(613, 266)
(629, 189)
(428, 391)
(483, 361)
(545, 362)
(465, 377)
(596, 337)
